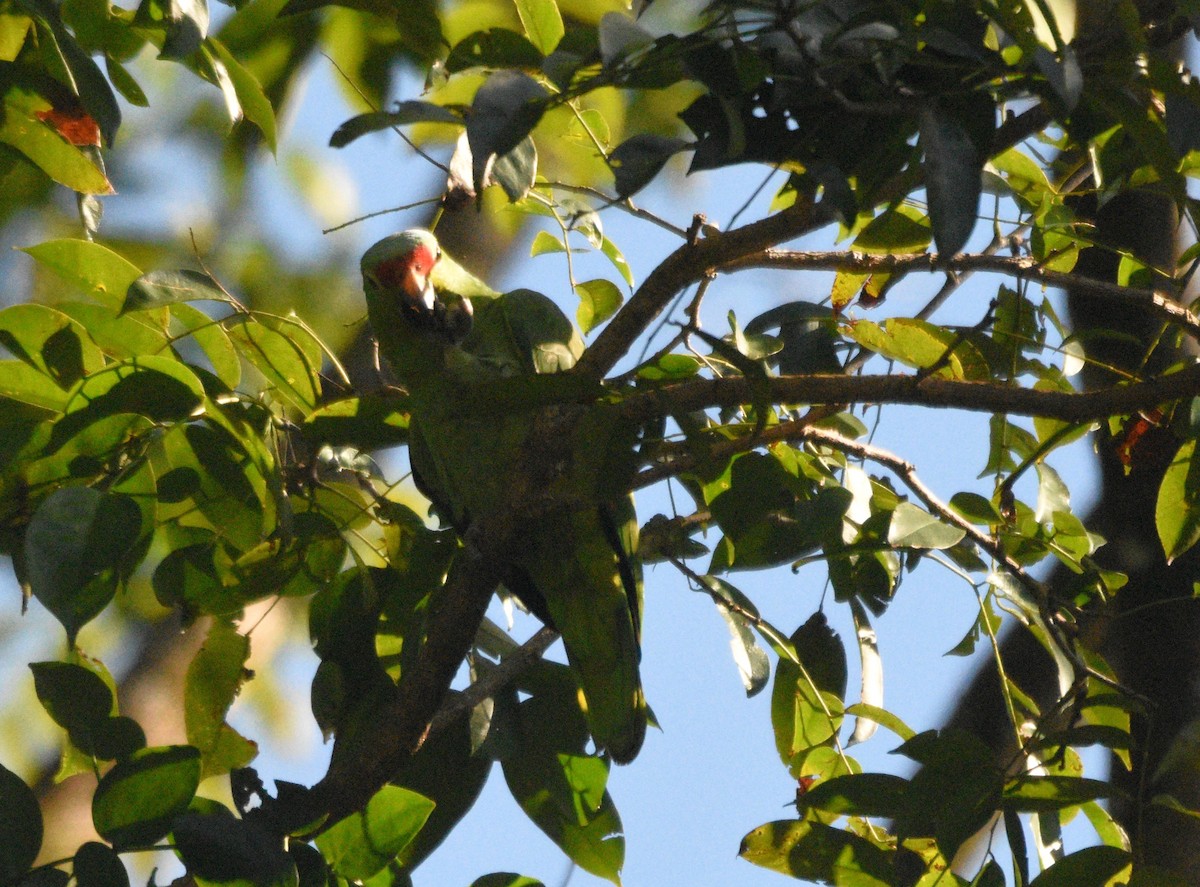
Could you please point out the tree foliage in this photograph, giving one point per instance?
(184, 432)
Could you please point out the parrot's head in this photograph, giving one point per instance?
(398, 272)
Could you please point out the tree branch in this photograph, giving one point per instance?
(1158, 303)
(495, 680)
(403, 723)
(989, 397)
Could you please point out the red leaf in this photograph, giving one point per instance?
(73, 124)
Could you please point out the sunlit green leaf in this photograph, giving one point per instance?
(363, 843)
(137, 799)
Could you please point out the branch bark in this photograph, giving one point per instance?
(930, 391)
(1158, 303)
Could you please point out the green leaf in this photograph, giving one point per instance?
(189, 322)
(187, 26)
(899, 231)
(96, 270)
(160, 388)
(74, 548)
(883, 718)
(255, 104)
(506, 879)
(545, 242)
(120, 336)
(282, 360)
(506, 109)
(27, 385)
(74, 696)
(363, 843)
(598, 301)
(79, 697)
(857, 794)
(923, 345)
(1177, 512)
(617, 258)
(560, 788)
(956, 791)
(159, 288)
(976, 508)
(219, 849)
(806, 699)
(214, 678)
(20, 826)
(913, 527)
(371, 421)
(636, 161)
(1085, 868)
(404, 114)
(50, 152)
(542, 22)
(1041, 794)
(814, 852)
(754, 668)
(50, 341)
(138, 798)
(451, 773)
(493, 48)
(98, 865)
(953, 173)
(515, 171)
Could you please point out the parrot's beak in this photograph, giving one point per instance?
(418, 287)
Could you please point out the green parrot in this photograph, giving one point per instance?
(479, 369)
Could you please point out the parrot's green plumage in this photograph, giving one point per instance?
(477, 364)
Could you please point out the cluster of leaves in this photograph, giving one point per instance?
(203, 452)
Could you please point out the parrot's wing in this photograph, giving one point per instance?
(523, 333)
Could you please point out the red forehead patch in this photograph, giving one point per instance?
(393, 273)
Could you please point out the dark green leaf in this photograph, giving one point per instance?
(137, 800)
(158, 288)
(953, 173)
(506, 879)
(506, 109)
(637, 160)
(515, 171)
(858, 794)
(20, 826)
(218, 848)
(1085, 868)
(405, 113)
(493, 48)
(97, 865)
(806, 700)
(1041, 794)
(74, 549)
(954, 793)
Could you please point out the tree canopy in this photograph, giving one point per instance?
(194, 425)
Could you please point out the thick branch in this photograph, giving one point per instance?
(402, 724)
(1023, 267)
(687, 265)
(930, 391)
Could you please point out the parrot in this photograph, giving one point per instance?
(479, 367)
